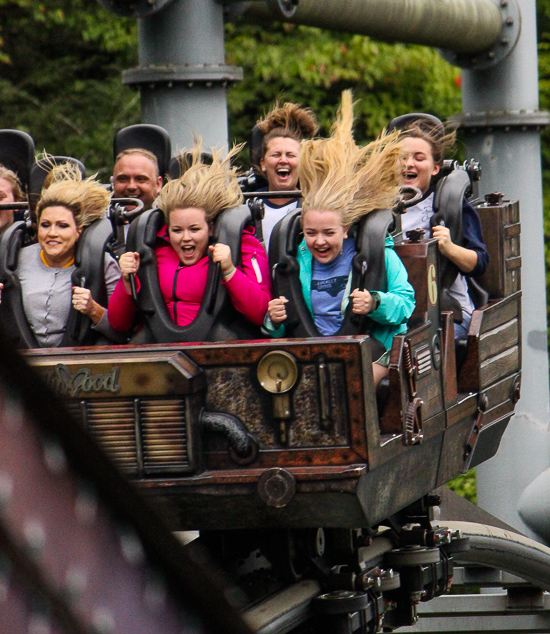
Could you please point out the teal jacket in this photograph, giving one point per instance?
(396, 305)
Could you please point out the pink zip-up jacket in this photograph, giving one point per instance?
(183, 287)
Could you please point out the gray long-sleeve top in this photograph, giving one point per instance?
(47, 293)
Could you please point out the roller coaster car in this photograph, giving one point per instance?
(287, 432)
(279, 453)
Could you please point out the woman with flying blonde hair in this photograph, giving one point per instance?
(190, 205)
(45, 270)
(340, 184)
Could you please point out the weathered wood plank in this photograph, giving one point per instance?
(499, 313)
(495, 341)
(498, 367)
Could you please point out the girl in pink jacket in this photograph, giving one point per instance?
(190, 205)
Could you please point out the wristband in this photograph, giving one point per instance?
(231, 271)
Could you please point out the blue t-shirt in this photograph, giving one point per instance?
(328, 284)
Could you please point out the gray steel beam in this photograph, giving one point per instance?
(468, 26)
(475, 613)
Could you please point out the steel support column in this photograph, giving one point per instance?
(502, 123)
(182, 75)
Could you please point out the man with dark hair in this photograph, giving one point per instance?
(136, 175)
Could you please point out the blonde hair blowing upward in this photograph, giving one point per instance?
(211, 188)
(86, 198)
(336, 175)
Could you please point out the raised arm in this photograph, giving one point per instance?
(249, 285)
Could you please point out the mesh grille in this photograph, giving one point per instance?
(162, 445)
(164, 434)
(423, 361)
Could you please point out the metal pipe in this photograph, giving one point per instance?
(232, 428)
(464, 26)
(504, 550)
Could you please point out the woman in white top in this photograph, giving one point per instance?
(283, 129)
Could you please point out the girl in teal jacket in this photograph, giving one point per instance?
(341, 183)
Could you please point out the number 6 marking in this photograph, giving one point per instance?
(432, 285)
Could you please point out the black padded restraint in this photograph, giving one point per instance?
(17, 154)
(448, 198)
(370, 245)
(12, 313)
(216, 306)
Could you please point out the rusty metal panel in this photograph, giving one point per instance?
(108, 374)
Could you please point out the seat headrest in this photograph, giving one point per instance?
(17, 154)
(148, 137)
(406, 120)
(41, 169)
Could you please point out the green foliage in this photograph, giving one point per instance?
(312, 66)
(60, 75)
(465, 485)
(61, 64)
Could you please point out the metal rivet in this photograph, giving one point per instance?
(155, 592)
(6, 489)
(76, 580)
(86, 505)
(103, 620)
(40, 624)
(132, 549)
(35, 536)
(54, 457)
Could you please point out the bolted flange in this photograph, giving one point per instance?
(501, 48)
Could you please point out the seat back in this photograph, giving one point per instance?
(175, 167)
(146, 137)
(12, 314)
(40, 170)
(17, 154)
(256, 181)
(89, 272)
(406, 120)
(368, 270)
(217, 320)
